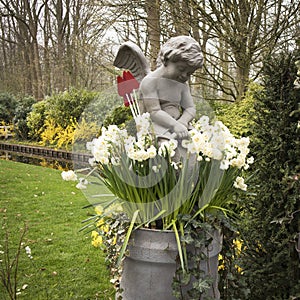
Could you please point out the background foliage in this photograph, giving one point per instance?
(54, 120)
(239, 116)
(8, 104)
(23, 108)
(272, 223)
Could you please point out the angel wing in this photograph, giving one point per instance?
(131, 57)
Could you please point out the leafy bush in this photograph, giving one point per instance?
(270, 261)
(86, 131)
(36, 119)
(23, 108)
(65, 107)
(50, 133)
(75, 135)
(102, 106)
(238, 116)
(118, 116)
(8, 105)
(53, 121)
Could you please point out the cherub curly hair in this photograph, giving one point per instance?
(181, 48)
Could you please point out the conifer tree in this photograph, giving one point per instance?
(271, 262)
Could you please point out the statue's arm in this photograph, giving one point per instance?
(188, 107)
(148, 89)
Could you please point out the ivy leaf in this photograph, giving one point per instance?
(201, 285)
(186, 277)
(187, 239)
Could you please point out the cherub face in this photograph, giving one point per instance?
(179, 71)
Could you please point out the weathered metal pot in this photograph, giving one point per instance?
(150, 266)
(208, 266)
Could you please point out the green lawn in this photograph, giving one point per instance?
(65, 265)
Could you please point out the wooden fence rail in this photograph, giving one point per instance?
(45, 152)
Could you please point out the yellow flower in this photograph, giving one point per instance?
(100, 223)
(94, 234)
(99, 210)
(105, 228)
(222, 266)
(97, 242)
(97, 239)
(238, 245)
(239, 269)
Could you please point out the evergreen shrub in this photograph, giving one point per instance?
(270, 260)
(8, 105)
(23, 108)
(64, 108)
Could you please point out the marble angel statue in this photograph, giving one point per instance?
(164, 92)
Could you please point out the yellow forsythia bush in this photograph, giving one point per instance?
(50, 133)
(60, 137)
(86, 131)
(65, 138)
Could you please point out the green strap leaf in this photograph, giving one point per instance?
(179, 246)
(123, 249)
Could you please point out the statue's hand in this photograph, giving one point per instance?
(185, 124)
(180, 130)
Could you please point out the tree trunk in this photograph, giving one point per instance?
(242, 78)
(180, 13)
(153, 29)
(46, 32)
(60, 82)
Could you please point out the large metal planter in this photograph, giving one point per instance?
(149, 268)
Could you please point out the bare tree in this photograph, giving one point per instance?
(246, 31)
(235, 36)
(22, 19)
(52, 45)
(46, 28)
